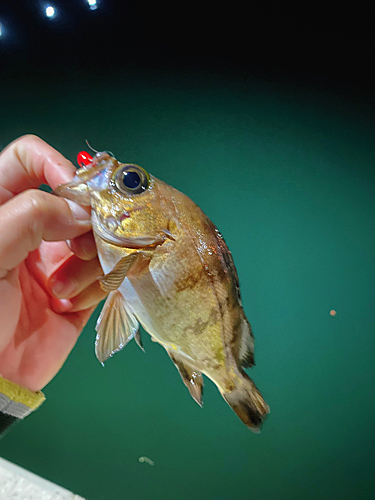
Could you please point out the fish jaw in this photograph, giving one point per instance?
(143, 242)
(76, 190)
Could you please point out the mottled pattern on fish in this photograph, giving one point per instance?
(168, 267)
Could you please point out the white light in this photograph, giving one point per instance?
(1, 30)
(50, 11)
(93, 4)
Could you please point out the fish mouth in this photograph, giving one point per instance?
(119, 241)
(77, 189)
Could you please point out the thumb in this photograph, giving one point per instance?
(33, 216)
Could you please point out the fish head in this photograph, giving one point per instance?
(129, 206)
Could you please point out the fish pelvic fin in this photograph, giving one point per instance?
(247, 402)
(246, 354)
(191, 378)
(137, 338)
(114, 278)
(115, 327)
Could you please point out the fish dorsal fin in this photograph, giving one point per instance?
(115, 327)
(114, 278)
(192, 378)
(246, 353)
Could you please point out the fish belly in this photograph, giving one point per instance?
(184, 319)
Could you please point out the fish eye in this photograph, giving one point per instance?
(131, 179)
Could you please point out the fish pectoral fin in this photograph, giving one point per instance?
(114, 278)
(191, 378)
(115, 327)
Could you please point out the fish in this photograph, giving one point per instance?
(167, 267)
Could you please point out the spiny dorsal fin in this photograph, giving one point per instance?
(246, 353)
(115, 327)
(192, 378)
(114, 278)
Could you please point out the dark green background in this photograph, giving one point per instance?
(287, 174)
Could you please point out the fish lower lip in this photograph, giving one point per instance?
(132, 243)
(104, 234)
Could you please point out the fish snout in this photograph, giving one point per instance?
(76, 190)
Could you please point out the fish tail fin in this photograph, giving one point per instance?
(247, 402)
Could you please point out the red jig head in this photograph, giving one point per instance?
(84, 159)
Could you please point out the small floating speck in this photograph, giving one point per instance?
(147, 460)
(333, 312)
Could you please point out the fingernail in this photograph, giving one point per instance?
(80, 213)
(84, 247)
(89, 248)
(62, 289)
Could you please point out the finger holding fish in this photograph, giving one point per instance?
(74, 284)
(84, 246)
(73, 276)
(88, 298)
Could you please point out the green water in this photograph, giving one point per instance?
(287, 174)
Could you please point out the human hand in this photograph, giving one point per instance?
(47, 292)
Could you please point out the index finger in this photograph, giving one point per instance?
(27, 163)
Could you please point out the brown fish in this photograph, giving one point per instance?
(168, 268)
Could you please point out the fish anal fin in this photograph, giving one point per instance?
(114, 278)
(191, 378)
(115, 327)
(246, 353)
